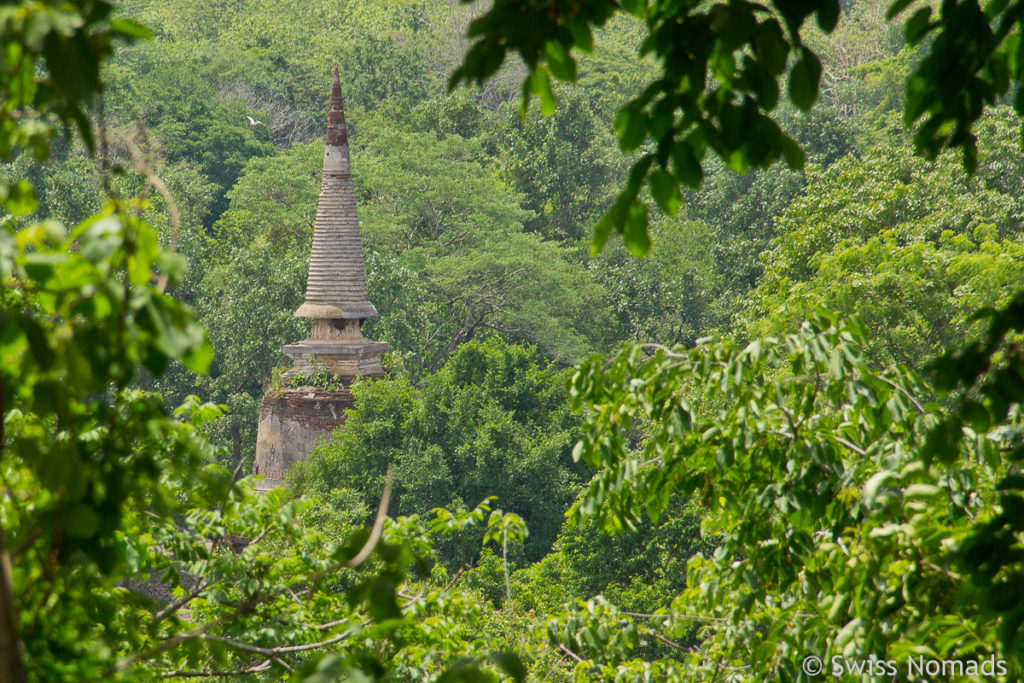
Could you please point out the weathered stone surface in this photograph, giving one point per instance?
(341, 359)
(291, 422)
(339, 348)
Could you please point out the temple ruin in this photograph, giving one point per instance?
(292, 420)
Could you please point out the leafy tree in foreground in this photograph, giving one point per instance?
(105, 489)
(721, 67)
(855, 520)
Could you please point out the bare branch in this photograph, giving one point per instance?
(284, 665)
(273, 652)
(569, 652)
(170, 643)
(897, 387)
(143, 167)
(174, 606)
(661, 347)
(378, 525)
(852, 446)
(662, 639)
(182, 673)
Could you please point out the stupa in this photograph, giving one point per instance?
(294, 419)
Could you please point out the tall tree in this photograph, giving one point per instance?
(913, 248)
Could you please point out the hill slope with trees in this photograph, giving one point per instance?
(791, 429)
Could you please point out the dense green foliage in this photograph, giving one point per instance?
(856, 520)
(728, 492)
(490, 422)
(912, 248)
(109, 497)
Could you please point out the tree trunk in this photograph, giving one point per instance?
(11, 667)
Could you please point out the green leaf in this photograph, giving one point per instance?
(942, 441)
(896, 7)
(198, 359)
(687, 167)
(665, 190)
(13, 340)
(40, 267)
(737, 160)
(603, 229)
(39, 343)
(638, 8)
(926, 492)
(545, 93)
(129, 29)
(172, 265)
(38, 25)
(976, 415)
(635, 180)
(581, 35)
(875, 483)
(560, 62)
(828, 14)
(465, 670)
(80, 521)
(792, 153)
(540, 85)
(329, 669)
(21, 198)
(632, 125)
(510, 663)
(770, 47)
(803, 80)
(634, 232)
(918, 25)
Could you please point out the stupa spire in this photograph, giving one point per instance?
(336, 288)
(292, 420)
(336, 296)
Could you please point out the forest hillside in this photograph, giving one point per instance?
(704, 341)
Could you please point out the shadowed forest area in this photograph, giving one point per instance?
(704, 341)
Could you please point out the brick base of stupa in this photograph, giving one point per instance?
(292, 422)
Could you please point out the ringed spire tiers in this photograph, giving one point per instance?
(336, 296)
(336, 288)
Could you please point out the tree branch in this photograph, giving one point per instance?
(897, 387)
(273, 652)
(182, 673)
(378, 524)
(852, 446)
(569, 652)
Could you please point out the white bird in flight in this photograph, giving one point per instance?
(254, 122)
